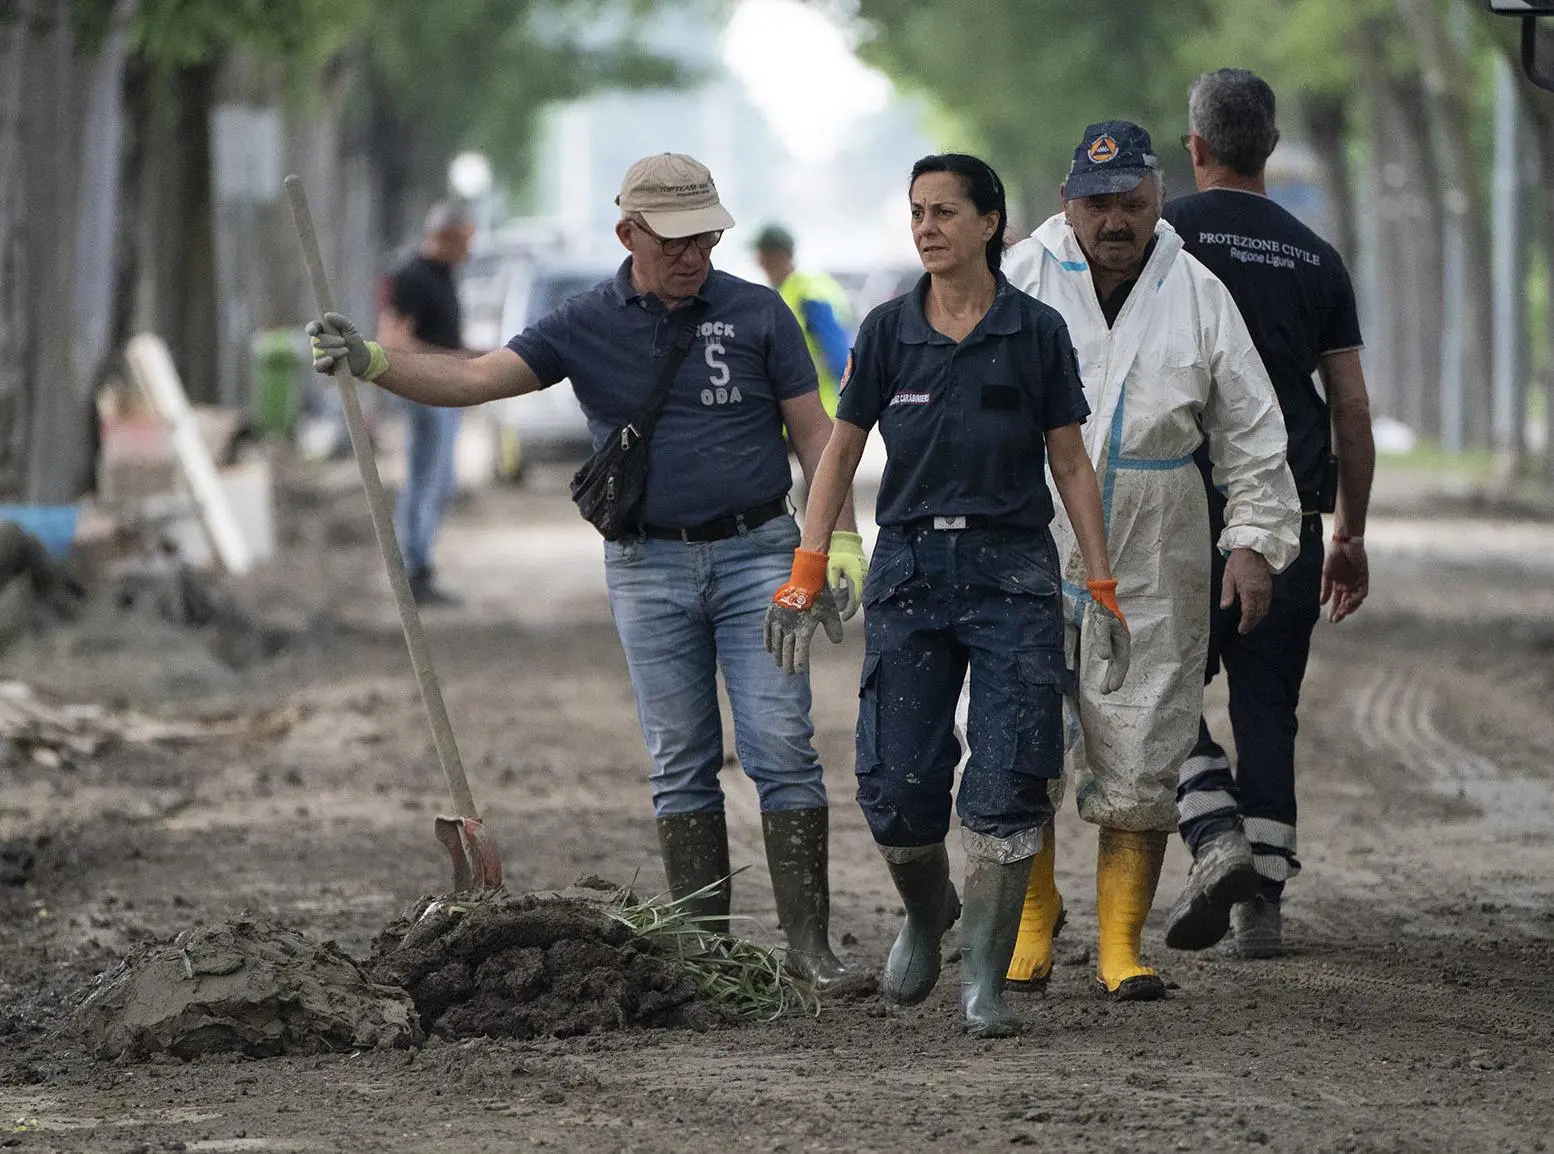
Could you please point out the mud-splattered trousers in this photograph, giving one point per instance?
(1264, 670)
(937, 601)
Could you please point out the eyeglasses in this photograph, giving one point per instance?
(1186, 139)
(675, 246)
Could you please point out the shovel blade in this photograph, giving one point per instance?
(477, 864)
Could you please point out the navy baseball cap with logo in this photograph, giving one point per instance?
(1114, 156)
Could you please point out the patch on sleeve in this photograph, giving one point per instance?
(847, 372)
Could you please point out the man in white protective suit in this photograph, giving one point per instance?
(1167, 363)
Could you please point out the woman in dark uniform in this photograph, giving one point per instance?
(975, 388)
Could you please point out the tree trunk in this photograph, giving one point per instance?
(54, 82)
(99, 222)
(1540, 109)
(15, 318)
(1327, 122)
(1407, 244)
(174, 247)
(1450, 85)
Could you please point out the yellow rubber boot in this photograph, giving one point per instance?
(1040, 920)
(1127, 870)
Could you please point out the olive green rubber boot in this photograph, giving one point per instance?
(922, 877)
(990, 922)
(695, 852)
(797, 854)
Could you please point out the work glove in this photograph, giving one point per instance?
(846, 569)
(797, 608)
(1107, 632)
(335, 339)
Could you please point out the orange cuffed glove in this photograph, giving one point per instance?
(1105, 594)
(797, 609)
(1106, 635)
(805, 582)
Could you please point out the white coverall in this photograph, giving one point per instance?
(1177, 367)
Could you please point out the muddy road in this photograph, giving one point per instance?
(1415, 1011)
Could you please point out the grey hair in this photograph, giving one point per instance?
(1233, 110)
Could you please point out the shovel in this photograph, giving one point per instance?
(476, 862)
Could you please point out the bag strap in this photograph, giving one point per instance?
(648, 417)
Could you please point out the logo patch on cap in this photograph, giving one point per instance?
(1102, 149)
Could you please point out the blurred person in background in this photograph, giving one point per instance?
(1294, 293)
(820, 305)
(975, 389)
(689, 589)
(420, 313)
(1167, 365)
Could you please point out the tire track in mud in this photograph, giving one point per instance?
(1397, 712)
(1464, 1000)
(1416, 875)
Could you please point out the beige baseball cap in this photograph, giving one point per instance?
(675, 195)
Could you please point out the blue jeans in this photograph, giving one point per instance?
(429, 482)
(685, 611)
(935, 602)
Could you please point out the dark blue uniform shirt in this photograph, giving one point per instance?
(1294, 294)
(964, 424)
(718, 448)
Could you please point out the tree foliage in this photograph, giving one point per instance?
(472, 73)
(1026, 77)
(183, 33)
(476, 72)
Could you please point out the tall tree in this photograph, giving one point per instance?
(396, 85)
(476, 73)
(1026, 77)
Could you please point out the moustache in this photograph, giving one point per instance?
(1121, 234)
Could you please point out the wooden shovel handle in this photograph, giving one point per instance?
(383, 524)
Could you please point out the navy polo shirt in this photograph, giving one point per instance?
(718, 448)
(964, 424)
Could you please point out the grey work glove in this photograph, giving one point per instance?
(335, 339)
(790, 631)
(1106, 634)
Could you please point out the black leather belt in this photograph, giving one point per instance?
(723, 527)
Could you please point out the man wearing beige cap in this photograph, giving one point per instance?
(690, 585)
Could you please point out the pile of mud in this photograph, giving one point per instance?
(248, 986)
(486, 964)
(532, 965)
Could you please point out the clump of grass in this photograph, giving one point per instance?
(729, 972)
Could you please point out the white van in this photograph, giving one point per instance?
(502, 296)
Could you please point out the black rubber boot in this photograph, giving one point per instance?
(922, 877)
(990, 923)
(695, 851)
(797, 854)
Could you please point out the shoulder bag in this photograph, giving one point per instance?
(609, 487)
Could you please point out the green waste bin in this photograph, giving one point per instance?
(276, 400)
